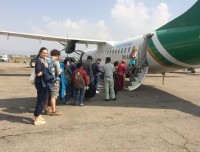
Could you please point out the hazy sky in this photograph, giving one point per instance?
(91, 19)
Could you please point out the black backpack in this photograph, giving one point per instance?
(91, 91)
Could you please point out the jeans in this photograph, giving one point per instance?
(72, 90)
(96, 81)
(109, 85)
(68, 90)
(81, 96)
(42, 95)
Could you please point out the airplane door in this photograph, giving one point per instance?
(139, 72)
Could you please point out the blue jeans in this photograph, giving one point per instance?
(81, 96)
(42, 94)
(96, 81)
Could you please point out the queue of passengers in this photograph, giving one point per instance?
(49, 81)
(76, 79)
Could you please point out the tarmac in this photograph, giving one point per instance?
(153, 118)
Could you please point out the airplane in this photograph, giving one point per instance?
(174, 46)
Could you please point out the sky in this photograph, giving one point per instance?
(89, 19)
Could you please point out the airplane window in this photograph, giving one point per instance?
(115, 51)
(125, 50)
(122, 50)
(118, 50)
(129, 49)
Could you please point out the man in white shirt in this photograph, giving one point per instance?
(108, 80)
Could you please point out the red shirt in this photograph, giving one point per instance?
(121, 69)
(83, 72)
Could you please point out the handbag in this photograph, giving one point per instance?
(32, 78)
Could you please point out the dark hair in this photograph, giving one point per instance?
(78, 65)
(89, 57)
(55, 52)
(73, 60)
(65, 61)
(99, 60)
(116, 63)
(40, 51)
(108, 59)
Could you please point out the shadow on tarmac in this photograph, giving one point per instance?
(145, 97)
(23, 75)
(13, 108)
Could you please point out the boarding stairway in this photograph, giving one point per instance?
(139, 72)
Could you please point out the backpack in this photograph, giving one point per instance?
(94, 68)
(91, 91)
(78, 80)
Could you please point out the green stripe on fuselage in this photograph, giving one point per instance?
(155, 53)
(183, 43)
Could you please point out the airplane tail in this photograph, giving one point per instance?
(189, 18)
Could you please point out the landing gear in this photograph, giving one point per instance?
(192, 70)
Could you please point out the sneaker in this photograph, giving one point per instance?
(81, 104)
(114, 99)
(56, 113)
(107, 100)
(41, 118)
(39, 122)
(47, 112)
(97, 91)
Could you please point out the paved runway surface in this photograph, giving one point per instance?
(154, 118)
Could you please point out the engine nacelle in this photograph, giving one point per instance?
(71, 46)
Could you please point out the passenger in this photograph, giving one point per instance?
(72, 68)
(133, 57)
(68, 75)
(56, 83)
(109, 69)
(121, 74)
(41, 91)
(116, 65)
(87, 66)
(96, 72)
(80, 81)
(63, 83)
(72, 65)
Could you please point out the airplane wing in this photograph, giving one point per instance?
(52, 38)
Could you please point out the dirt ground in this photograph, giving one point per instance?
(154, 118)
